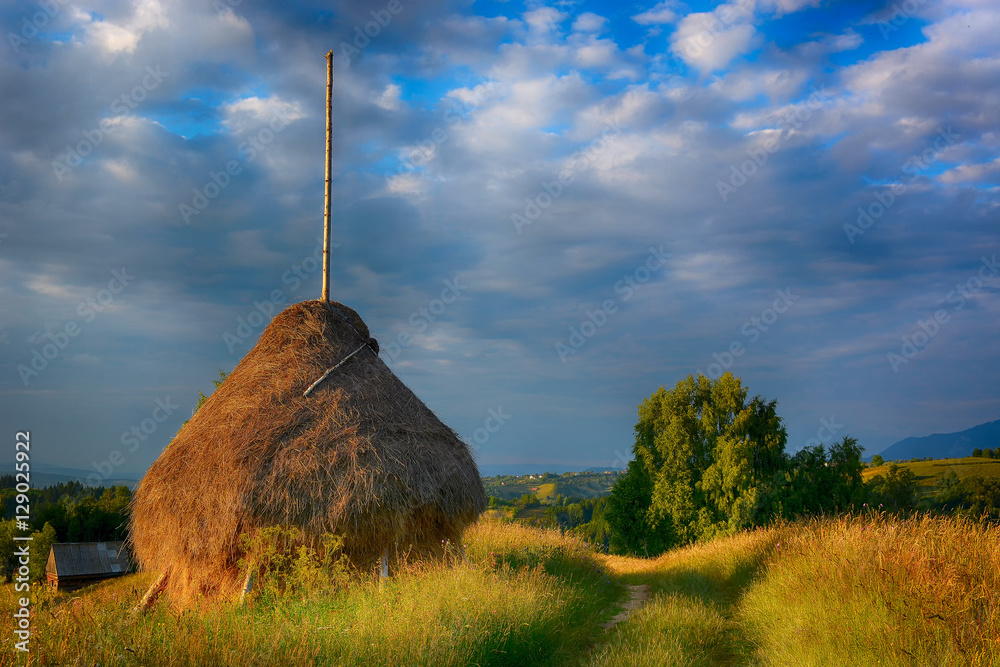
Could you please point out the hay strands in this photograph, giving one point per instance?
(330, 370)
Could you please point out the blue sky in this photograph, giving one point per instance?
(802, 192)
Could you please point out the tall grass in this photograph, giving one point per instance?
(878, 590)
(692, 620)
(521, 597)
(872, 590)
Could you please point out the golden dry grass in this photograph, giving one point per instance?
(883, 591)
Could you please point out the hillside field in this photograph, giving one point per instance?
(871, 590)
(928, 472)
(547, 486)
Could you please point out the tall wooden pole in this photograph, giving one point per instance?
(329, 164)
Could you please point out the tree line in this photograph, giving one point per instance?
(710, 461)
(65, 512)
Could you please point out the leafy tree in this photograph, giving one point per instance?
(877, 460)
(40, 545)
(626, 514)
(596, 530)
(977, 453)
(977, 495)
(202, 397)
(947, 484)
(808, 483)
(711, 457)
(897, 490)
(845, 466)
(527, 500)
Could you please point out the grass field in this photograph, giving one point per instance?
(853, 591)
(927, 472)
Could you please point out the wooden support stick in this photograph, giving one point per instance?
(150, 597)
(247, 585)
(329, 180)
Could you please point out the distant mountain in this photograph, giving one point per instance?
(46, 474)
(946, 445)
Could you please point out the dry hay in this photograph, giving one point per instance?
(361, 456)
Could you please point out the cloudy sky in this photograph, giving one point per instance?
(543, 211)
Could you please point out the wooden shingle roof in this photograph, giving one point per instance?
(76, 559)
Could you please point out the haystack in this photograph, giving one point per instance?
(360, 456)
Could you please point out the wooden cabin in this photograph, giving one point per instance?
(72, 565)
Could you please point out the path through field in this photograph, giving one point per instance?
(637, 596)
(683, 608)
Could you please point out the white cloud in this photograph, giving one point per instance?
(250, 114)
(698, 42)
(389, 99)
(123, 37)
(544, 19)
(589, 22)
(661, 13)
(973, 173)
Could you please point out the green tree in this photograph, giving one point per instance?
(626, 513)
(897, 490)
(712, 457)
(845, 467)
(977, 453)
(877, 460)
(41, 543)
(202, 397)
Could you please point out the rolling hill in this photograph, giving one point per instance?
(945, 445)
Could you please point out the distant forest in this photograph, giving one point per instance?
(68, 512)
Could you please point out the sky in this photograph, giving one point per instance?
(543, 212)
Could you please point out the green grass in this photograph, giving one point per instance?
(870, 590)
(851, 591)
(523, 597)
(928, 472)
